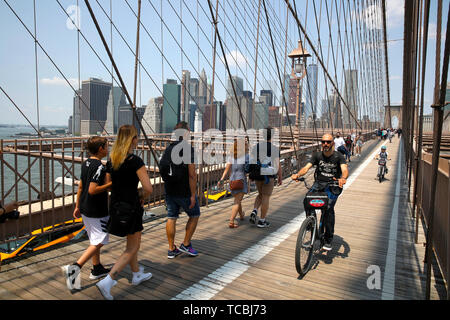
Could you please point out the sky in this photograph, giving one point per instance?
(161, 55)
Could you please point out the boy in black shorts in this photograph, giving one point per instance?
(92, 206)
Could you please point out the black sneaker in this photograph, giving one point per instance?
(263, 224)
(99, 272)
(327, 246)
(253, 215)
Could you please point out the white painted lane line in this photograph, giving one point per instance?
(388, 291)
(216, 281)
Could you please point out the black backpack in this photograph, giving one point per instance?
(172, 173)
(254, 169)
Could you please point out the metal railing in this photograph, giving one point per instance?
(42, 175)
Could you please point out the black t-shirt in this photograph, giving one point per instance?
(93, 206)
(180, 187)
(125, 180)
(327, 167)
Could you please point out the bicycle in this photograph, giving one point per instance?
(381, 168)
(310, 231)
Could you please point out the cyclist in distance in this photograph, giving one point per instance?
(330, 166)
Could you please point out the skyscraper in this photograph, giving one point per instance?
(151, 120)
(69, 125)
(261, 120)
(185, 95)
(171, 105)
(115, 100)
(238, 85)
(95, 95)
(202, 90)
(77, 105)
(266, 96)
(311, 90)
(350, 96)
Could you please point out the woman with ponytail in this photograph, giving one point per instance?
(126, 210)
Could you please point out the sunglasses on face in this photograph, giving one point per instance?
(327, 141)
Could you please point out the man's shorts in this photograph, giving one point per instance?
(175, 204)
(96, 229)
(265, 189)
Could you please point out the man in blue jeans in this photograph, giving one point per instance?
(180, 184)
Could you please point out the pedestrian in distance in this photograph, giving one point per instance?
(92, 206)
(178, 171)
(126, 211)
(348, 146)
(264, 168)
(358, 144)
(238, 180)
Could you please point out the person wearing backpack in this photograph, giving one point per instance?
(180, 185)
(264, 168)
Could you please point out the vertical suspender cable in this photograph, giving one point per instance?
(136, 59)
(256, 63)
(36, 65)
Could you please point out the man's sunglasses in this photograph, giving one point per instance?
(327, 141)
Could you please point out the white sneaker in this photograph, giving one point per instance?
(71, 273)
(140, 276)
(105, 286)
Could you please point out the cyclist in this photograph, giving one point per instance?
(330, 166)
(383, 155)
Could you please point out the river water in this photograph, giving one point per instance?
(20, 191)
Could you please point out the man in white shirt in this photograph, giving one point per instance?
(338, 141)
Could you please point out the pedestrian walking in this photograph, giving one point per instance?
(92, 206)
(126, 211)
(180, 185)
(264, 169)
(238, 180)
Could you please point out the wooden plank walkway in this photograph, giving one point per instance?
(249, 263)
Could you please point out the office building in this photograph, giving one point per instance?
(171, 105)
(310, 90)
(93, 116)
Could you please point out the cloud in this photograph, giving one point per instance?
(395, 11)
(235, 58)
(56, 81)
(395, 78)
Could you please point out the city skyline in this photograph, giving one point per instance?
(56, 96)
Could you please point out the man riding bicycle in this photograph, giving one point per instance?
(330, 166)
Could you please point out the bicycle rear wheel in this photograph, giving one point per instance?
(305, 245)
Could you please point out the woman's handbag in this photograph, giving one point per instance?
(122, 218)
(237, 185)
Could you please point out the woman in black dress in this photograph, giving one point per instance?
(126, 210)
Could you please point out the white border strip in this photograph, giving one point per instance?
(388, 292)
(213, 283)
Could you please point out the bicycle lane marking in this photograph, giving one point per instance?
(216, 281)
(388, 290)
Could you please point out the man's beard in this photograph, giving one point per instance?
(326, 149)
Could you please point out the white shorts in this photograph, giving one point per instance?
(96, 229)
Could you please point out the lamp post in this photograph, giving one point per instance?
(299, 57)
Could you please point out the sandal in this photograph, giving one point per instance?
(233, 225)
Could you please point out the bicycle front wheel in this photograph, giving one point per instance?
(305, 245)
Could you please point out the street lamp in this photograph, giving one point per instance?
(299, 57)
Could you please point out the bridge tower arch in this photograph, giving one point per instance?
(396, 116)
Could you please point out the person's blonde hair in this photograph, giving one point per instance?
(119, 150)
